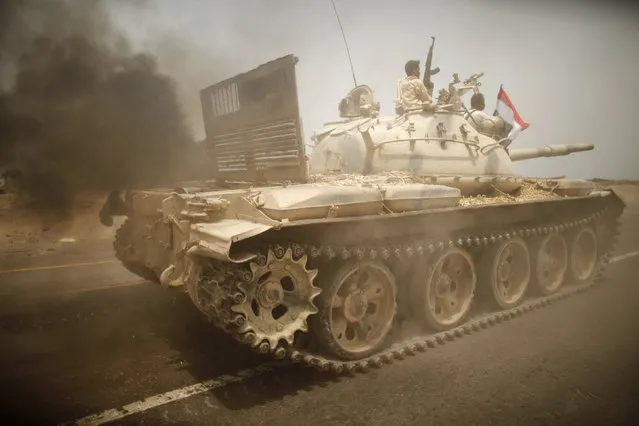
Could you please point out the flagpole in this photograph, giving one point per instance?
(497, 103)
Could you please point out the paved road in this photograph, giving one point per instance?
(82, 339)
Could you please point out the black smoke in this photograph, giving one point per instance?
(79, 110)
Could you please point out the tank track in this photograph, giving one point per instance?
(396, 250)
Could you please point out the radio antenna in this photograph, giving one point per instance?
(348, 52)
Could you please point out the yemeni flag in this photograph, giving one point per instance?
(506, 110)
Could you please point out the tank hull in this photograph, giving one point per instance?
(406, 245)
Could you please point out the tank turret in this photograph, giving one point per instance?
(427, 141)
(438, 140)
(547, 151)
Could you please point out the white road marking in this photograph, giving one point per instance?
(171, 396)
(624, 256)
(217, 382)
(67, 265)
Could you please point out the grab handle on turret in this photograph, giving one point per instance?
(547, 151)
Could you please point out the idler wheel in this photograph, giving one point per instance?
(357, 307)
(442, 291)
(550, 264)
(506, 270)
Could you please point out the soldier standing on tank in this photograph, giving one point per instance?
(411, 91)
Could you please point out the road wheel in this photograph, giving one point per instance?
(506, 271)
(550, 263)
(442, 292)
(583, 256)
(357, 307)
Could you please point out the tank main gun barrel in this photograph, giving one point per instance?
(547, 151)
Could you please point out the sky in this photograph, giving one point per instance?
(569, 67)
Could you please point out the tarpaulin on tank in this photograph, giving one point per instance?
(316, 201)
(321, 201)
(417, 196)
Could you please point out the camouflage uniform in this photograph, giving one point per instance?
(412, 93)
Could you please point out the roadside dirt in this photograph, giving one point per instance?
(22, 230)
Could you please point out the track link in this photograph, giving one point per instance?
(608, 216)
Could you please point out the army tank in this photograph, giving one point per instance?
(394, 235)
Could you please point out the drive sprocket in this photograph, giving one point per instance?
(278, 299)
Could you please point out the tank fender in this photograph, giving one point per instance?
(211, 240)
(621, 198)
(215, 239)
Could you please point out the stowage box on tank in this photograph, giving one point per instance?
(415, 221)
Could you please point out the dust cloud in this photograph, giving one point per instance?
(79, 108)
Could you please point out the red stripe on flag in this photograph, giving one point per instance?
(503, 96)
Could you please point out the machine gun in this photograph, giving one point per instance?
(428, 72)
(454, 94)
(473, 80)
